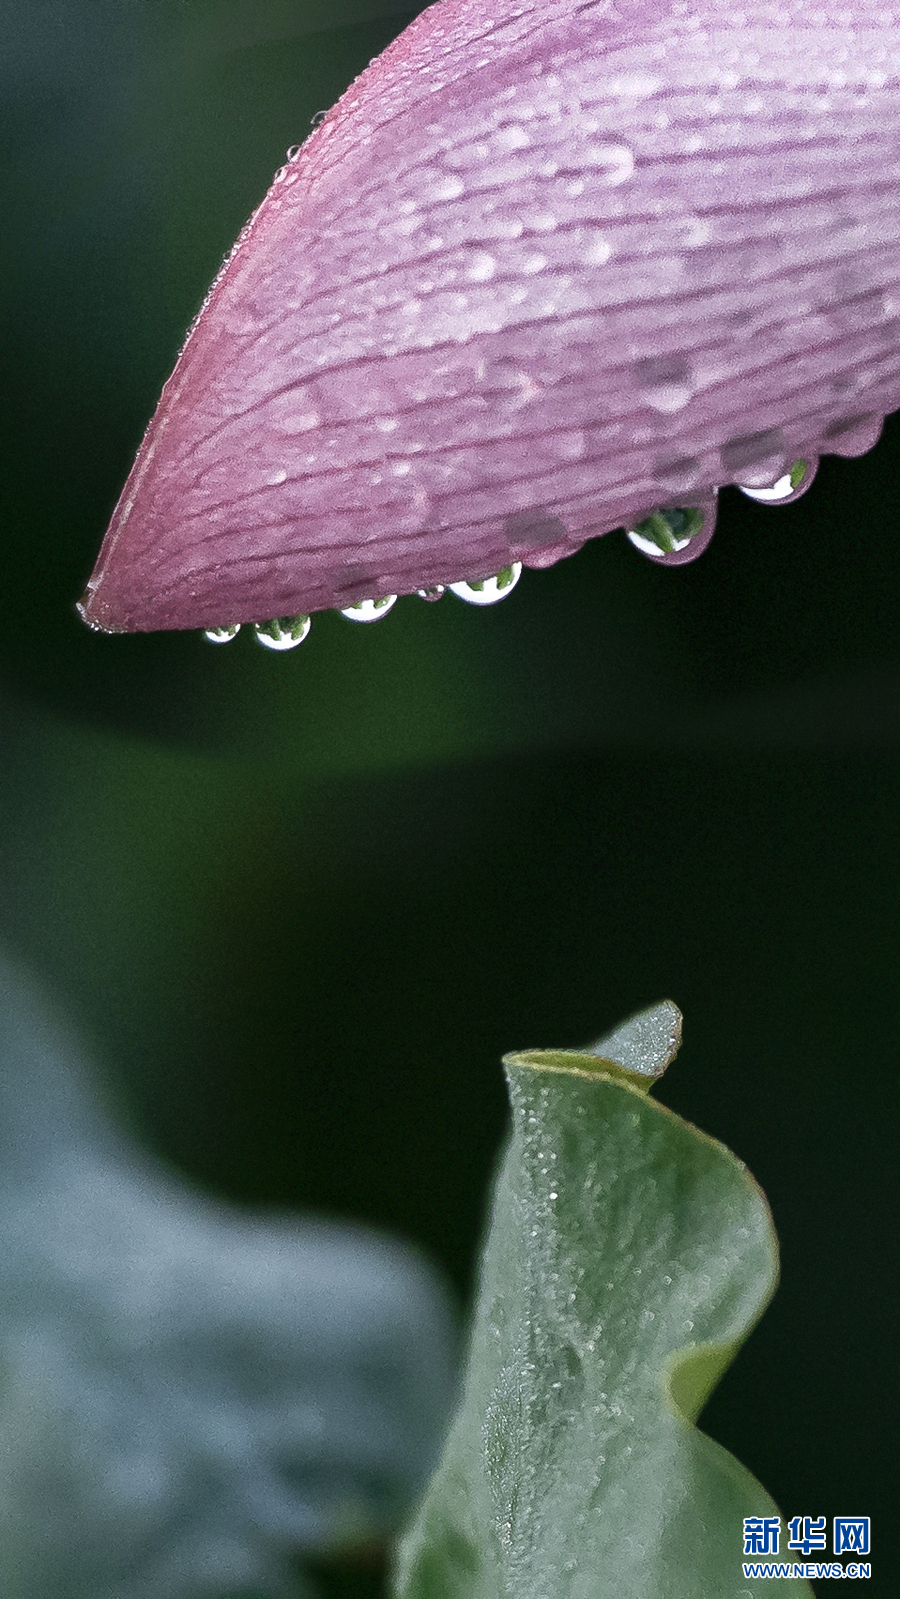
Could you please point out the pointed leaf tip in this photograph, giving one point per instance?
(646, 1043)
(637, 1051)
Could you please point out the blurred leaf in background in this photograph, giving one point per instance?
(192, 1395)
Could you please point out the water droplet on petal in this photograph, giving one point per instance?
(666, 382)
(853, 435)
(615, 160)
(448, 188)
(431, 594)
(481, 267)
(282, 633)
(678, 474)
(667, 532)
(597, 248)
(790, 486)
(677, 534)
(487, 590)
(512, 137)
(222, 635)
(759, 459)
(370, 610)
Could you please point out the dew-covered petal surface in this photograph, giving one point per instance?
(544, 269)
(191, 1396)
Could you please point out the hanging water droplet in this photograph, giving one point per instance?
(431, 594)
(666, 532)
(370, 610)
(757, 459)
(293, 150)
(853, 435)
(222, 635)
(283, 632)
(676, 523)
(487, 590)
(790, 486)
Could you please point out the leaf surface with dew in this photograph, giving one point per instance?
(628, 1257)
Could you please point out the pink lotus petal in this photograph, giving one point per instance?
(543, 270)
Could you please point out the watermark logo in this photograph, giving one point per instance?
(807, 1535)
(852, 1535)
(761, 1535)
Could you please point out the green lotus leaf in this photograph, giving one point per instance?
(627, 1259)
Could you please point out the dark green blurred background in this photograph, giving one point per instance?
(302, 904)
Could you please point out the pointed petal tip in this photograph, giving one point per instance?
(91, 612)
(83, 607)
